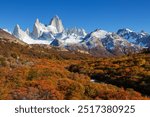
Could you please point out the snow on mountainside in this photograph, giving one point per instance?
(57, 23)
(70, 36)
(99, 42)
(23, 36)
(39, 29)
(142, 38)
(108, 42)
(43, 34)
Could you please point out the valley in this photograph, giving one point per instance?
(38, 71)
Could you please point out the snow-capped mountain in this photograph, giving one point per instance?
(70, 37)
(25, 36)
(40, 29)
(19, 33)
(57, 23)
(107, 42)
(98, 42)
(46, 34)
(142, 38)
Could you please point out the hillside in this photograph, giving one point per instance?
(46, 72)
(129, 72)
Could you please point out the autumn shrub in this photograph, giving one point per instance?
(71, 89)
(74, 68)
(3, 61)
(33, 74)
(91, 91)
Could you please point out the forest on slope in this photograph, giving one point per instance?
(43, 72)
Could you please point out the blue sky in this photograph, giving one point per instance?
(89, 14)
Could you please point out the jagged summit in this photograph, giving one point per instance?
(49, 33)
(56, 22)
(37, 29)
(76, 31)
(139, 38)
(17, 26)
(37, 21)
(124, 30)
(17, 31)
(27, 31)
(98, 41)
(56, 16)
(98, 33)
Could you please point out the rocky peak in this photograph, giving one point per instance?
(56, 22)
(124, 31)
(37, 21)
(37, 29)
(76, 31)
(27, 31)
(17, 30)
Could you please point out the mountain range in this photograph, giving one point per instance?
(54, 63)
(98, 42)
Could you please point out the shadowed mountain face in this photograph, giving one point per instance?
(142, 38)
(5, 36)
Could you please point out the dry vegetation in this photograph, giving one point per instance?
(42, 72)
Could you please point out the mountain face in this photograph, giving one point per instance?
(40, 29)
(107, 43)
(57, 23)
(98, 42)
(23, 36)
(142, 38)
